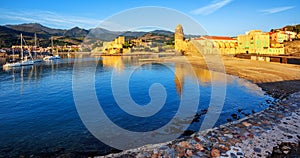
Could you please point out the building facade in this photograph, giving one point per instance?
(204, 44)
(252, 42)
(257, 42)
(114, 47)
(218, 44)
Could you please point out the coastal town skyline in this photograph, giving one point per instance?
(222, 17)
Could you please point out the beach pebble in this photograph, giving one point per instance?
(215, 153)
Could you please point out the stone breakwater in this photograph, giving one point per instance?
(273, 132)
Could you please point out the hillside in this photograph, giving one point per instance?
(10, 35)
(76, 32)
(7, 36)
(159, 36)
(292, 48)
(37, 28)
(293, 28)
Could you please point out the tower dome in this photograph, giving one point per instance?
(179, 29)
(179, 38)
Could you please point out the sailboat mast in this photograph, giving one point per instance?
(13, 51)
(35, 45)
(52, 45)
(35, 40)
(22, 47)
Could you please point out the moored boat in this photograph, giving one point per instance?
(24, 61)
(47, 58)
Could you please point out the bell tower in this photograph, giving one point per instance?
(179, 38)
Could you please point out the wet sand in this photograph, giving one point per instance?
(273, 132)
(278, 80)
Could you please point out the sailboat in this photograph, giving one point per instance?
(24, 61)
(36, 60)
(48, 57)
(56, 56)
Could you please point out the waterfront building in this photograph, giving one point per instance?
(114, 47)
(204, 44)
(252, 42)
(218, 44)
(282, 36)
(257, 42)
(291, 35)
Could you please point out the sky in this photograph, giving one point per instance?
(216, 17)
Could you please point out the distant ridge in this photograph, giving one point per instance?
(9, 34)
(294, 28)
(38, 28)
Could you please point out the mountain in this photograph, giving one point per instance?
(102, 34)
(37, 28)
(159, 36)
(7, 36)
(10, 35)
(163, 32)
(76, 32)
(107, 35)
(133, 33)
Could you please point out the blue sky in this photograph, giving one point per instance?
(217, 17)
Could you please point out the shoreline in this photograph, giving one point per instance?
(257, 135)
(253, 136)
(276, 79)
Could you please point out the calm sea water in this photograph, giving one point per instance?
(39, 117)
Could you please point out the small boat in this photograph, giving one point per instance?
(37, 60)
(47, 58)
(26, 62)
(57, 56)
(51, 57)
(19, 63)
(14, 64)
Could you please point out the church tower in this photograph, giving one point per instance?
(179, 38)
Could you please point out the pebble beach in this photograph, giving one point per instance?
(273, 132)
(270, 133)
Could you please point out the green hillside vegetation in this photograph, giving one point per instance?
(295, 28)
(10, 35)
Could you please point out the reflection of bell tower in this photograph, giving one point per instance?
(179, 77)
(179, 38)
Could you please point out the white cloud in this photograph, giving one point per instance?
(48, 18)
(211, 8)
(277, 10)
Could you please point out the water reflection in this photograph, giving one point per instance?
(182, 71)
(115, 62)
(205, 77)
(46, 111)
